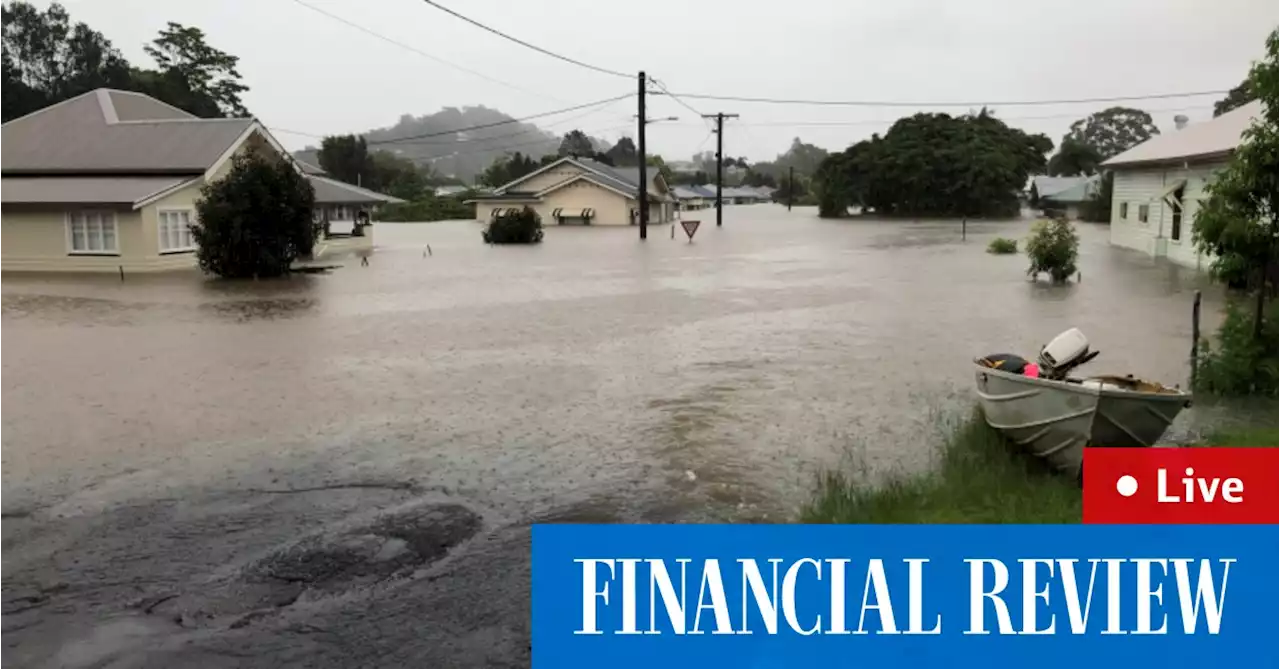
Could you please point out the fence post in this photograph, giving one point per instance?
(1195, 338)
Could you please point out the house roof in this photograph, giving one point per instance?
(86, 190)
(1080, 190)
(332, 191)
(620, 178)
(1048, 186)
(1215, 138)
(105, 131)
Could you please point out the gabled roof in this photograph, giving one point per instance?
(109, 131)
(623, 178)
(1080, 190)
(601, 181)
(1047, 186)
(332, 191)
(1210, 139)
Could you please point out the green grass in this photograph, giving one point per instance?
(978, 479)
(1248, 436)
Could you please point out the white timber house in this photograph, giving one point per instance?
(1159, 185)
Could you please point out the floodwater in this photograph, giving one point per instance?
(339, 469)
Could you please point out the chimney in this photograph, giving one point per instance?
(1180, 121)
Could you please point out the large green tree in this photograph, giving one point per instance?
(1113, 130)
(624, 153)
(346, 158)
(576, 143)
(193, 75)
(255, 221)
(933, 165)
(509, 168)
(1237, 221)
(1074, 158)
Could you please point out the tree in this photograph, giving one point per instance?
(394, 175)
(1097, 209)
(933, 165)
(346, 158)
(663, 168)
(576, 143)
(1074, 158)
(623, 153)
(1235, 98)
(1113, 130)
(509, 168)
(255, 221)
(1237, 220)
(754, 178)
(1053, 248)
(519, 227)
(193, 75)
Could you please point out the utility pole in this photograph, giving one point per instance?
(642, 190)
(719, 117)
(791, 185)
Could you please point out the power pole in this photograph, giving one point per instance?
(719, 117)
(791, 185)
(642, 190)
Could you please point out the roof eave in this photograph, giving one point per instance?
(1176, 160)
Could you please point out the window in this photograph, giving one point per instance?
(1175, 230)
(92, 232)
(175, 231)
(1124, 210)
(1143, 210)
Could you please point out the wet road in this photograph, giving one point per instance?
(339, 469)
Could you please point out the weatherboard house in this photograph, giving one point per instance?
(108, 180)
(580, 191)
(1159, 184)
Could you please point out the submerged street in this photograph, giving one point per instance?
(339, 470)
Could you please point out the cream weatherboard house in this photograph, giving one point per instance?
(581, 191)
(108, 180)
(1159, 185)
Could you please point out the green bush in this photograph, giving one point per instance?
(518, 227)
(1240, 364)
(255, 221)
(1053, 248)
(1002, 246)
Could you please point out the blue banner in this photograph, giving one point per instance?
(905, 596)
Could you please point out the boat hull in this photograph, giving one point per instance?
(1055, 420)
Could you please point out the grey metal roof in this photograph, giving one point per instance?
(1082, 190)
(83, 190)
(332, 191)
(1210, 139)
(105, 131)
(1047, 186)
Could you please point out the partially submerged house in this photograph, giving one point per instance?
(581, 191)
(693, 197)
(1065, 194)
(1159, 184)
(108, 181)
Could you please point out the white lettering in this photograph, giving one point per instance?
(719, 606)
(884, 605)
(1079, 619)
(978, 593)
(1030, 594)
(915, 599)
(660, 585)
(1214, 602)
(1162, 486)
(1113, 596)
(589, 593)
(1146, 594)
(789, 596)
(766, 598)
(837, 596)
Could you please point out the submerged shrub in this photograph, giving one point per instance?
(517, 227)
(1002, 246)
(1053, 248)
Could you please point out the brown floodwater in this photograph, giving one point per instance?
(163, 432)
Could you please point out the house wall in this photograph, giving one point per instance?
(1141, 186)
(35, 239)
(550, 178)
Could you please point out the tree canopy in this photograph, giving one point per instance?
(47, 59)
(1113, 130)
(933, 165)
(1237, 221)
(508, 168)
(576, 143)
(255, 221)
(624, 153)
(1236, 97)
(1074, 158)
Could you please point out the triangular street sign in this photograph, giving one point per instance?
(690, 227)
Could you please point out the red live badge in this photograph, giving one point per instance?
(1214, 486)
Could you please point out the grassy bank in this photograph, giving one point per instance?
(978, 479)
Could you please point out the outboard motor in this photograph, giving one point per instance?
(1064, 353)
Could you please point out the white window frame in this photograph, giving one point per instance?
(104, 215)
(162, 239)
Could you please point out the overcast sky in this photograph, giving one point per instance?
(311, 73)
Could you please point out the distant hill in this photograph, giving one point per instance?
(461, 155)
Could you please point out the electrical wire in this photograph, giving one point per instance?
(668, 92)
(508, 147)
(524, 43)
(885, 103)
(424, 54)
(874, 122)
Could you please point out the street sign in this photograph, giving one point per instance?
(690, 227)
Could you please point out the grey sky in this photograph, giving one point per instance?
(308, 72)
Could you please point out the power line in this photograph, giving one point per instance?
(885, 103)
(495, 124)
(873, 122)
(508, 147)
(524, 43)
(668, 92)
(420, 52)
